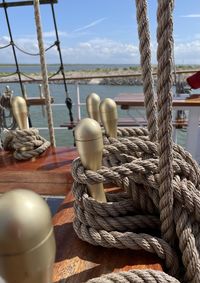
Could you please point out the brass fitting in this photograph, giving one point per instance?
(92, 105)
(108, 114)
(27, 244)
(89, 141)
(20, 112)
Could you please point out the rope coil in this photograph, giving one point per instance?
(26, 144)
(117, 222)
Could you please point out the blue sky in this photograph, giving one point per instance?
(99, 31)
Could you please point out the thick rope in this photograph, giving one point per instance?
(159, 188)
(44, 72)
(26, 144)
(135, 276)
(145, 58)
(164, 92)
(128, 216)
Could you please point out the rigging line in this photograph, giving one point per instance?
(13, 47)
(27, 76)
(54, 74)
(68, 100)
(57, 43)
(8, 75)
(5, 46)
(33, 54)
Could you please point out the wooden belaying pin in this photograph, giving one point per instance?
(20, 112)
(92, 105)
(89, 141)
(108, 114)
(27, 243)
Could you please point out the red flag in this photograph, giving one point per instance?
(194, 80)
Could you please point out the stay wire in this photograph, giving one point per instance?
(13, 47)
(68, 100)
(5, 46)
(33, 54)
(8, 75)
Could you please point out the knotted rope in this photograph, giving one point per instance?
(158, 208)
(44, 72)
(26, 144)
(5, 104)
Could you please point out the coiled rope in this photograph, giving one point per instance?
(135, 276)
(26, 144)
(159, 208)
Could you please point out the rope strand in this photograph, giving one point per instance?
(44, 73)
(145, 54)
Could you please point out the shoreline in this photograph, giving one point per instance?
(101, 77)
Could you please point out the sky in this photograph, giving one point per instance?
(98, 32)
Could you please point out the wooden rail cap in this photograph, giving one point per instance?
(35, 101)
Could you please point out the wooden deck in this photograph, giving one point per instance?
(50, 174)
(76, 261)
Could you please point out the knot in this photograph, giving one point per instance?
(5, 101)
(26, 144)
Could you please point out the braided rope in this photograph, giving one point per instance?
(164, 85)
(145, 53)
(44, 72)
(25, 143)
(136, 276)
(132, 132)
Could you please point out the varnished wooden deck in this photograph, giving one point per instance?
(50, 174)
(76, 261)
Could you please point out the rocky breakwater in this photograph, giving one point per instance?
(104, 77)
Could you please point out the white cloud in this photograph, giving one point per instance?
(186, 52)
(29, 45)
(92, 24)
(99, 50)
(52, 33)
(191, 16)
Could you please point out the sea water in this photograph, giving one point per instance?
(64, 137)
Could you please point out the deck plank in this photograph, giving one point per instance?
(49, 174)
